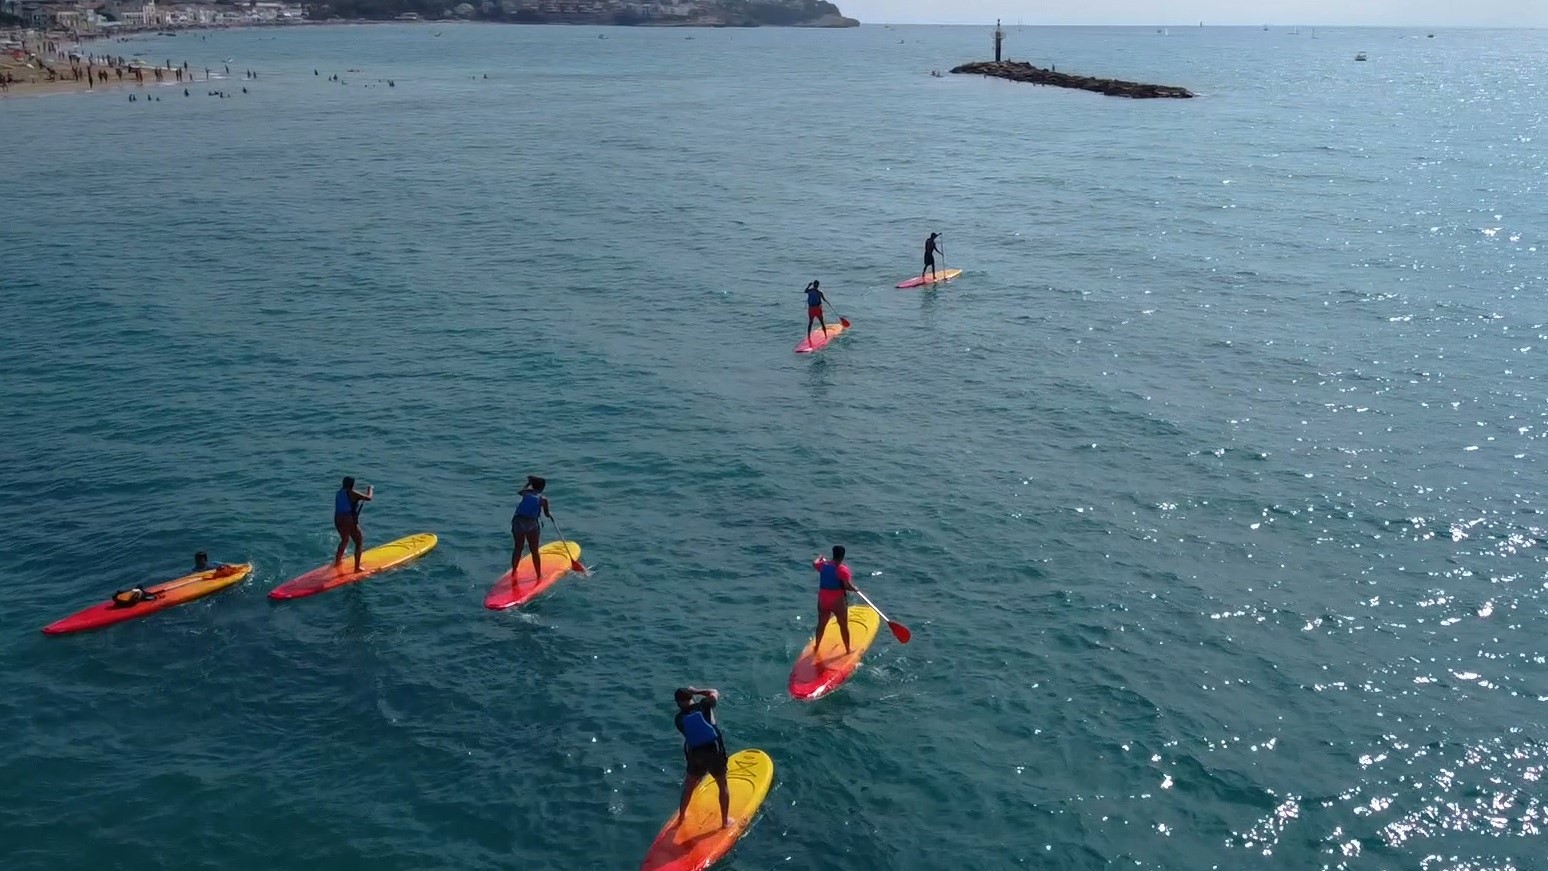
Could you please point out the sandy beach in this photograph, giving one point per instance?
(33, 64)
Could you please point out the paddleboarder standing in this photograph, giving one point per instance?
(833, 589)
(704, 748)
(814, 301)
(347, 504)
(526, 524)
(931, 247)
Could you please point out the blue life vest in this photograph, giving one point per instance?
(829, 573)
(814, 297)
(531, 504)
(697, 731)
(341, 503)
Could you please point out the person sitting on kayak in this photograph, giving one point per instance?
(814, 301)
(833, 588)
(930, 248)
(347, 504)
(525, 525)
(704, 748)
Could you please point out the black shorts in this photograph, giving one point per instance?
(929, 260)
(708, 759)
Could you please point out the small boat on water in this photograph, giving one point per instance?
(1360, 56)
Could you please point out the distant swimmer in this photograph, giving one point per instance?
(833, 589)
(347, 505)
(526, 523)
(704, 748)
(814, 301)
(931, 247)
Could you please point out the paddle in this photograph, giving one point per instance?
(899, 631)
(575, 564)
(842, 320)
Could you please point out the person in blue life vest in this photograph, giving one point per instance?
(525, 524)
(704, 748)
(814, 301)
(347, 503)
(833, 589)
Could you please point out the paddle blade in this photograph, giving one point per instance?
(900, 632)
(845, 322)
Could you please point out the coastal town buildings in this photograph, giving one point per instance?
(105, 17)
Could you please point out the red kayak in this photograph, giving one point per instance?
(167, 595)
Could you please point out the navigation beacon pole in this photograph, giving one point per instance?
(999, 37)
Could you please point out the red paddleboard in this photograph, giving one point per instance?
(822, 668)
(522, 586)
(376, 560)
(169, 594)
(939, 277)
(818, 339)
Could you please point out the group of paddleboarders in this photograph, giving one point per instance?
(525, 530)
(815, 298)
(704, 745)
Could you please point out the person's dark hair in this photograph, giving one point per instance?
(682, 695)
(838, 553)
(349, 483)
(536, 483)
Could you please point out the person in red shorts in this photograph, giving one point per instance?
(833, 588)
(814, 301)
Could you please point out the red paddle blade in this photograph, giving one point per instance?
(845, 322)
(900, 632)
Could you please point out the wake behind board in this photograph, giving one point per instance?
(700, 841)
(823, 668)
(818, 339)
(522, 586)
(374, 561)
(168, 594)
(939, 277)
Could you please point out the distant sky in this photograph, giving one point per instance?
(1380, 13)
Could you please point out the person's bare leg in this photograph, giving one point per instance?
(725, 799)
(689, 782)
(537, 555)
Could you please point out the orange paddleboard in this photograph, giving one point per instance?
(374, 561)
(700, 841)
(522, 586)
(822, 668)
(184, 589)
(818, 339)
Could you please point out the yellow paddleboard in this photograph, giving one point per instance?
(377, 559)
(700, 841)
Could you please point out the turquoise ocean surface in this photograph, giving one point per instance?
(1211, 491)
